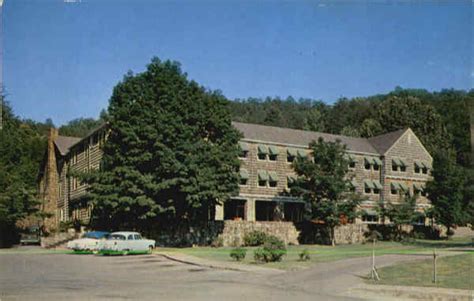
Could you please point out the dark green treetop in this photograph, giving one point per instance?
(171, 154)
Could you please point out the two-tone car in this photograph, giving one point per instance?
(124, 243)
(88, 243)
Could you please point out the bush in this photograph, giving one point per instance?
(273, 250)
(238, 253)
(255, 238)
(304, 255)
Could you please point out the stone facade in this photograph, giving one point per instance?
(266, 173)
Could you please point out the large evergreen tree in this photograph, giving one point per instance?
(448, 191)
(323, 184)
(172, 153)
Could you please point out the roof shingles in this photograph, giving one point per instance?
(376, 145)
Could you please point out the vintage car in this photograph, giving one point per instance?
(30, 236)
(124, 243)
(89, 243)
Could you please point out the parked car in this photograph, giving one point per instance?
(31, 236)
(89, 243)
(124, 243)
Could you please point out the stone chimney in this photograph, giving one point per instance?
(51, 184)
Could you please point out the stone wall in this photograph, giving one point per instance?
(224, 233)
(232, 233)
(350, 233)
(235, 231)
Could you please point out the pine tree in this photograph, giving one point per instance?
(171, 154)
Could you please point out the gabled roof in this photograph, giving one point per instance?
(63, 143)
(383, 142)
(299, 137)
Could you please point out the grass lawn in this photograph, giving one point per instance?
(320, 253)
(452, 272)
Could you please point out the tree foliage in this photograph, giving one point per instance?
(323, 184)
(449, 192)
(80, 127)
(401, 213)
(172, 152)
(22, 146)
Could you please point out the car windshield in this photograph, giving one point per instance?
(96, 235)
(117, 237)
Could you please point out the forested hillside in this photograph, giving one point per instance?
(440, 119)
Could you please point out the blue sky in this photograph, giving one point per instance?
(62, 59)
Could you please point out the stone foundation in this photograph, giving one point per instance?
(235, 231)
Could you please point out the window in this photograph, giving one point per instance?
(262, 178)
(368, 186)
(417, 169)
(376, 167)
(137, 237)
(262, 152)
(351, 159)
(367, 166)
(376, 191)
(234, 210)
(243, 154)
(370, 218)
(265, 210)
(130, 237)
(244, 150)
(290, 181)
(291, 154)
(273, 179)
(244, 176)
(425, 170)
(398, 165)
(272, 153)
(367, 163)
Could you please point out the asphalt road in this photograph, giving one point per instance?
(153, 277)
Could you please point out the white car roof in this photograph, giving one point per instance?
(126, 233)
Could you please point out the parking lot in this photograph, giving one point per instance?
(140, 277)
(42, 275)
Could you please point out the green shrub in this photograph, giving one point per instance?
(273, 250)
(255, 238)
(304, 255)
(238, 253)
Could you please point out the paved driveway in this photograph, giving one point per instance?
(153, 277)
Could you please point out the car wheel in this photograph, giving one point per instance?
(150, 249)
